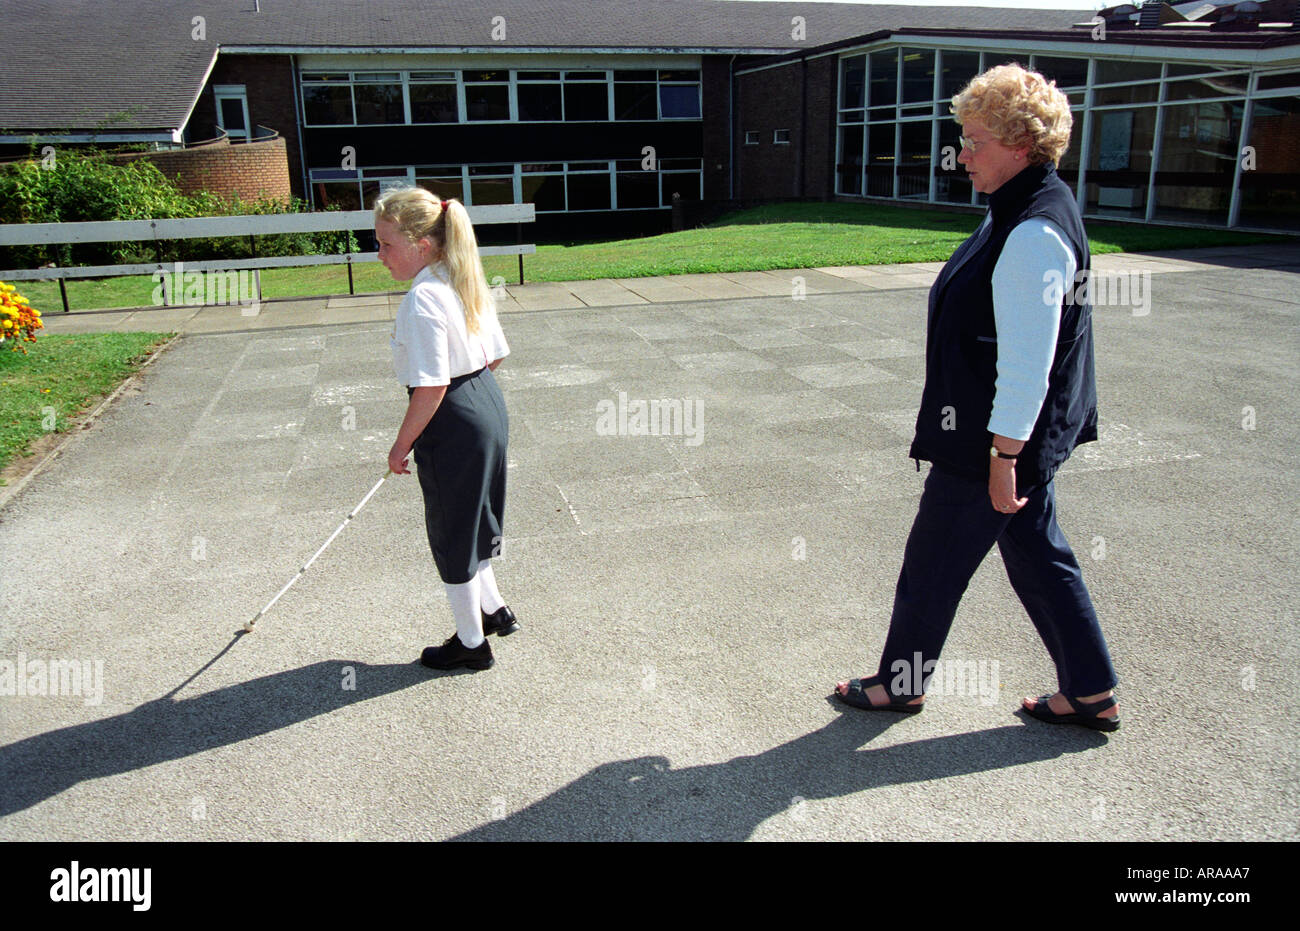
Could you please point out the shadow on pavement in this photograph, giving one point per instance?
(39, 767)
(635, 799)
(646, 799)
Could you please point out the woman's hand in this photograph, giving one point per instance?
(1002, 487)
(1002, 477)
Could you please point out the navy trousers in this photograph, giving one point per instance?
(954, 530)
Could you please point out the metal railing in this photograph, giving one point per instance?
(160, 231)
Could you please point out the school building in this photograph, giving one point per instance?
(600, 112)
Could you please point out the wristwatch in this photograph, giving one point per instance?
(995, 453)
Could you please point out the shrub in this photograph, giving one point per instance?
(81, 186)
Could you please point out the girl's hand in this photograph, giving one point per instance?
(419, 411)
(397, 459)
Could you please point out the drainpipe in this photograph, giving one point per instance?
(803, 124)
(731, 130)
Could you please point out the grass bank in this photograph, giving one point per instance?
(44, 391)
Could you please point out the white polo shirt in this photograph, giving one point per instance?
(430, 342)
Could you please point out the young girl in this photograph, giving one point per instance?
(446, 342)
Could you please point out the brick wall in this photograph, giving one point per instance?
(268, 85)
(767, 101)
(777, 98)
(250, 170)
(714, 80)
(819, 161)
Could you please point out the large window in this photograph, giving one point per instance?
(918, 81)
(914, 159)
(378, 98)
(447, 181)
(586, 96)
(1119, 166)
(336, 188)
(327, 98)
(852, 142)
(433, 97)
(487, 95)
(1185, 141)
(1066, 72)
(853, 84)
(679, 95)
(882, 92)
(680, 176)
(588, 186)
(636, 95)
(951, 185)
(957, 70)
(1198, 155)
(880, 159)
(368, 98)
(552, 187)
(491, 184)
(1270, 175)
(637, 188)
(541, 99)
(543, 186)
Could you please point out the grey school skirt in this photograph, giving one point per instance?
(461, 462)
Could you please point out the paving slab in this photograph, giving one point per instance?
(543, 296)
(603, 292)
(660, 290)
(765, 283)
(716, 286)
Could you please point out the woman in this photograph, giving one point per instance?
(446, 343)
(1009, 392)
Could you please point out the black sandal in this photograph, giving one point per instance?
(1086, 714)
(857, 697)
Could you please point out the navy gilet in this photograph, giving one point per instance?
(961, 346)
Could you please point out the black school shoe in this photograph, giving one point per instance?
(501, 623)
(454, 654)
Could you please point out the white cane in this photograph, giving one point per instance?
(355, 511)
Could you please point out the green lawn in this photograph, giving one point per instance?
(58, 378)
(795, 235)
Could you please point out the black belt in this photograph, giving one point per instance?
(455, 382)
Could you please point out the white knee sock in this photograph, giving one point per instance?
(489, 596)
(464, 600)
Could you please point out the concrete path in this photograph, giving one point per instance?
(687, 599)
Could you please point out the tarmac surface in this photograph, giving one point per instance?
(687, 599)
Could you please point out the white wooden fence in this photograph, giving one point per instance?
(159, 231)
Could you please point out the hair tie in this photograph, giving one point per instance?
(444, 204)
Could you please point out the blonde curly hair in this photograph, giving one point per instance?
(1019, 107)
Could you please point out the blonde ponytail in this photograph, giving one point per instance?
(464, 264)
(419, 214)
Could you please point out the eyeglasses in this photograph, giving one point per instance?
(970, 144)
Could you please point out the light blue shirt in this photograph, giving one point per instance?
(1036, 264)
